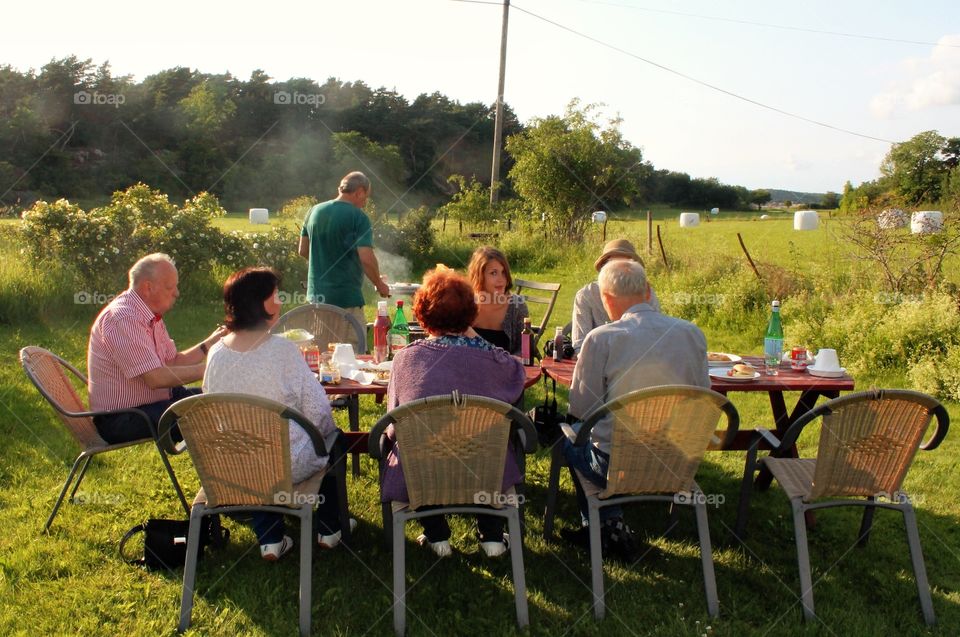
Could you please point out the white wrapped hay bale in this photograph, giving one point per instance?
(259, 215)
(689, 219)
(805, 220)
(764, 216)
(926, 222)
(892, 218)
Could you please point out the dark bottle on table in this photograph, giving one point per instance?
(558, 344)
(526, 343)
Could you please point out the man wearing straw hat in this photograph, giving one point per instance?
(588, 311)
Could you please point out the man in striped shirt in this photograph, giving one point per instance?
(132, 362)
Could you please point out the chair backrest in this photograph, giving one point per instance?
(868, 441)
(48, 373)
(549, 299)
(240, 446)
(327, 323)
(659, 437)
(454, 447)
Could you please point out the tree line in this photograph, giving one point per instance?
(76, 130)
(924, 170)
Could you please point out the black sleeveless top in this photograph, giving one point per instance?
(494, 337)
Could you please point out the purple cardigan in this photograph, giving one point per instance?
(427, 368)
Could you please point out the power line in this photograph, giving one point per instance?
(785, 27)
(699, 81)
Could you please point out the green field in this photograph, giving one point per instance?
(73, 581)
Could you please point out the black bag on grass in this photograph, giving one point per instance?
(165, 541)
(547, 421)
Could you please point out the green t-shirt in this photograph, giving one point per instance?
(334, 276)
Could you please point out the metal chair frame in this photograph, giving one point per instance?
(94, 445)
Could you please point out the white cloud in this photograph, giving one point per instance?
(926, 82)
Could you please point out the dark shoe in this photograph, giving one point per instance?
(578, 537)
(619, 541)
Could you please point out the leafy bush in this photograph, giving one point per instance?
(874, 332)
(297, 208)
(412, 237)
(939, 376)
(471, 202)
(277, 249)
(100, 245)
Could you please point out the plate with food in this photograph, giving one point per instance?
(722, 359)
(381, 372)
(299, 336)
(740, 373)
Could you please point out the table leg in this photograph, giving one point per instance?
(353, 413)
(807, 401)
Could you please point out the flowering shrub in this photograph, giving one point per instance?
(278, 250)
(100, 245)
(90, 243)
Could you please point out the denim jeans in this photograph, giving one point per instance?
(126, 427)
(270, 527)
(593, 464)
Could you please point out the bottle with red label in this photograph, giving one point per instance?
(381, 347)
(526, 343)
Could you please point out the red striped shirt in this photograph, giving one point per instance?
(126, 341)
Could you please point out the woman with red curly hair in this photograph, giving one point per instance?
(500, 314)
(453, 357)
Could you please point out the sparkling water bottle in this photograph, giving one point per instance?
(773, 342)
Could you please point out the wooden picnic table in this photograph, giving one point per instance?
(811, 388)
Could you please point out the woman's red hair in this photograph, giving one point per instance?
(445, 303)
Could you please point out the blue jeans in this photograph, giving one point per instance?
(126, 427)
(593, 464)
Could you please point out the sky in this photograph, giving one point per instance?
(645, 61)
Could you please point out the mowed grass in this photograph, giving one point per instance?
(73, 581)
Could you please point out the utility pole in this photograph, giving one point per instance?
(498, 122)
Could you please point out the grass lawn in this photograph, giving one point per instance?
(73, 581)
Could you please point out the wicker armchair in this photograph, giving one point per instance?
(240, 446)
(658, 440)
(867, 442)
(331, 324)
(453, 449)
(48, 373)
(327, 323)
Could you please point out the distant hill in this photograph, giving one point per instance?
(795, 197)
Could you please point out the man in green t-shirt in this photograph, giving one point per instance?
(338, 242)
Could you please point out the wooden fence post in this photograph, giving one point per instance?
(649, 232)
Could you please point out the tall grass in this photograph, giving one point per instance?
(73, 581)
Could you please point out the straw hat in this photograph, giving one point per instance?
(617, 248)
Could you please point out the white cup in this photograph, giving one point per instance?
(827, 360)
(343, 354)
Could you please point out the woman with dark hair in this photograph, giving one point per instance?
(500, 314)
(249, 360)
(453, 357)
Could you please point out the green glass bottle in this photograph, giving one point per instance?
(399, 334)
(773, 342)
